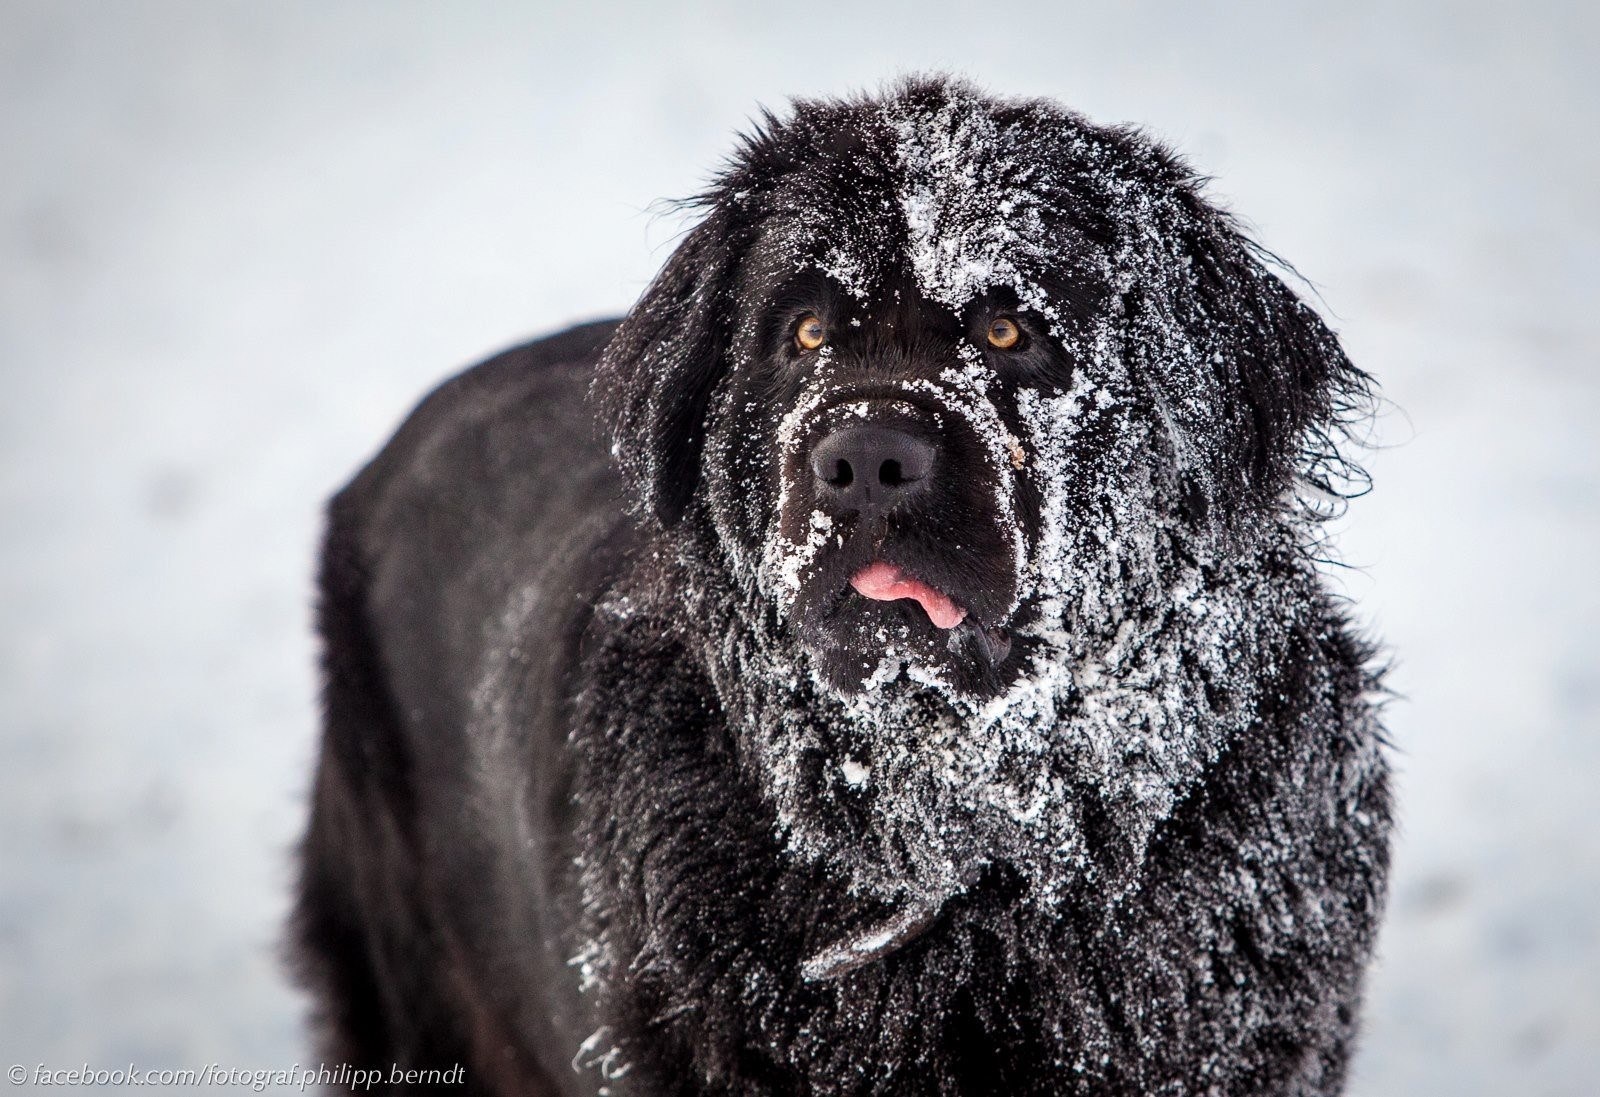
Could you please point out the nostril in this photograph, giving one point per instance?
(911, 463)
(843, 474)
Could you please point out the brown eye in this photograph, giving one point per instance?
(810, 333)
(1004, 334)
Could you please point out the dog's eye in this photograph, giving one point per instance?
(809, 333)
(1004, 334)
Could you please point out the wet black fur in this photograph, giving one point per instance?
(523, 748)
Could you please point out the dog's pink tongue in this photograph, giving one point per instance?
(883, 582)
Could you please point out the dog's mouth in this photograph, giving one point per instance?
(864, 602)
(988, 647)
(882, 581)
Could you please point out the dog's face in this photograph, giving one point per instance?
(882, 506)
(974, 403)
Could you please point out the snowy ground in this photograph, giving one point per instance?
(237, 241)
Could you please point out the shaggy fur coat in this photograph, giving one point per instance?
(653, 762)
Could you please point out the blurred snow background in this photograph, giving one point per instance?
(237, 241)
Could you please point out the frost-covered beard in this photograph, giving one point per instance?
(1140, 655)
(1139, 634)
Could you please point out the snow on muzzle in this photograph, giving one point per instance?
(890, 459)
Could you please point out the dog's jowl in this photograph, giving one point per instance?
(891, 659)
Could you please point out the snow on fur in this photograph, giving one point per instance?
(1135, 617)
(1166, 608)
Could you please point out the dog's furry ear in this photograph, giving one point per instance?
(655, 378)
(1254, 387)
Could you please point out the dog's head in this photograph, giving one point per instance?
(969, 398)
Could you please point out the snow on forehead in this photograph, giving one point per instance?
(972, 214)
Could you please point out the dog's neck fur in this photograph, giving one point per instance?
(906, 792)
(834, 915)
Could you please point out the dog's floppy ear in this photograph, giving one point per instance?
(1255, 389)
(654, 380)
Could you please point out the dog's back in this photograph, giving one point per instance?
(455, 577)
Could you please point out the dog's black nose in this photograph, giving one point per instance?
(870, 469)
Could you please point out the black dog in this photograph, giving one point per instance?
(928, 689)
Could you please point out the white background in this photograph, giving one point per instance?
(237, 242)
